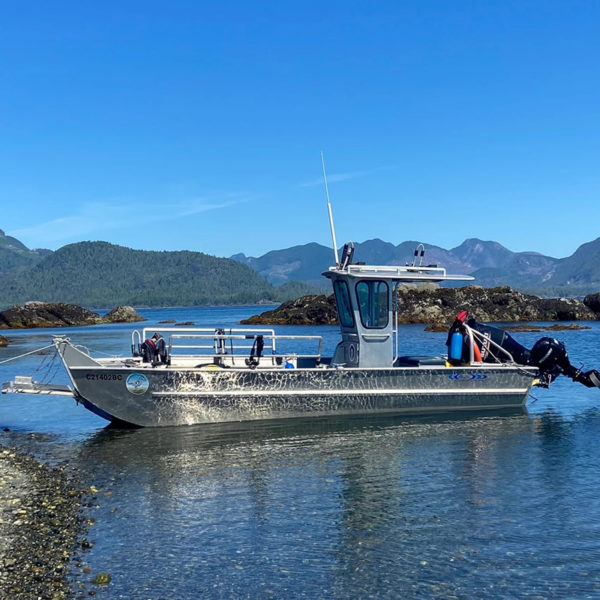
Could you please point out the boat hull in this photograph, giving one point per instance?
(164, 397)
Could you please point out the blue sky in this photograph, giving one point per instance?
(197, 125)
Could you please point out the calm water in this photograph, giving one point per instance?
(495, 506)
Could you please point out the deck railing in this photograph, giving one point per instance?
(221, 342)
(474, 335)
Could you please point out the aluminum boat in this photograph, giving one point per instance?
(216, 375)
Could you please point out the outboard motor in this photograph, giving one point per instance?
(551, 357)
(548, 355)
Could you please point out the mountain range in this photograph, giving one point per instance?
(100, 274)
(489, 262)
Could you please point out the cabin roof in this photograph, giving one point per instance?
(394, 273)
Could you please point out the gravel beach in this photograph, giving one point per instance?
(40, 521)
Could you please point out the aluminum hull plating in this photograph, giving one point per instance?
(177, 396)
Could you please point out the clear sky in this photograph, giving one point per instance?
(198, 125)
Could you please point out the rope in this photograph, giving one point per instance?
(46, 361)
(49, 368)
(26, 354)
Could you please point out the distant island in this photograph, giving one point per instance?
(101, 275)
(437, 307)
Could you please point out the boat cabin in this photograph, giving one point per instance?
(367, 308)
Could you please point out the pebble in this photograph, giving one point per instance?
(36, 503)
(101, 579)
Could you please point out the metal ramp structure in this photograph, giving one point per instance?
(25, 385)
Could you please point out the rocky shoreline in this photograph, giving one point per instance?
(40, 527)
(437, 307)
(33, 315)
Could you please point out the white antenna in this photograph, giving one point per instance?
(335, 252)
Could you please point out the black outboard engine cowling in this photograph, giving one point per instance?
(551, 357)
(548, 355)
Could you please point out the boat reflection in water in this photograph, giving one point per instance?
(391, 503)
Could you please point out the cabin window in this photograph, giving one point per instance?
(342, 298)
(373, 303)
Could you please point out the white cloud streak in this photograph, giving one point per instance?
(93, 220)
(337, 177)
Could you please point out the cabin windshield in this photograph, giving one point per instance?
(373, 303)
(342, 298)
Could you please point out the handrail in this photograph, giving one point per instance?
(135, 349)
(395, 269)
(200, 334)
(208, 330)
(214, 338)
(473, 334)
(471, 343)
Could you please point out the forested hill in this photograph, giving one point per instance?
(101, 274)
(14, 255)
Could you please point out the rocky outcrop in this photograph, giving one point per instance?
(58, 314)
(307, 310)
(592, 301)
(47, 314)
(440, 305)
(123, 314)
(3, 341)
(430, 304)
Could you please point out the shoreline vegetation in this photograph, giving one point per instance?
(41, 528)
